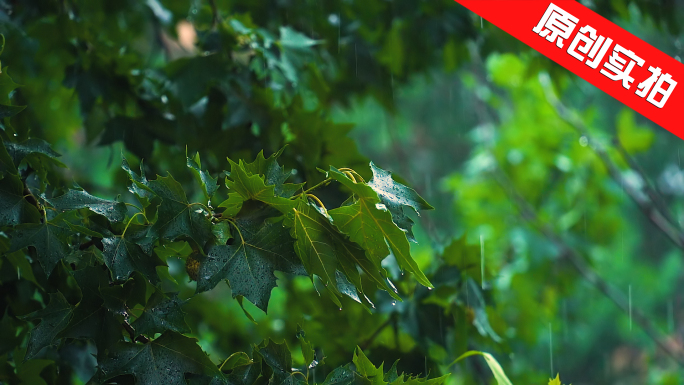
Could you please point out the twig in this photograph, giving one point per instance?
(645, 204)
(581, 265)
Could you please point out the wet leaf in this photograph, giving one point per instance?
(54, 317)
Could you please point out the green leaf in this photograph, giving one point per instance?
(494, 366)
(176, 216)
(232, 205)
(7, 85)
(9, 111)
(209, 185)
(54, 317)
(632, 137)
(314, 244)
(14, 208)
(344, 375)
(18, 151)
(292, 39)
(261, 247)
(273, 174)
(164, 360)
(49, 239)
(307, 348)
(78, 199)
(123, 256)
(278, 358)
(369, 224)
(366, 368)
(161, 313)
(253, 186)
(395, 196)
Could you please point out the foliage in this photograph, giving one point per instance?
(166, 81)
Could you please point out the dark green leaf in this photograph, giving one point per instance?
(261, 247)
(165, 360)
(176, 216)
(368, 223)
(123, 256)
(395, 196)
(78, 199)
(49, 239)
(161, 313)
(209, 185)
(14, 208)
(54, 317)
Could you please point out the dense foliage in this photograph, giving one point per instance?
(119, 276)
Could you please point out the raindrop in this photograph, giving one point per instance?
(356, 59)
(394, 303)
(482, 265)
(584, 141)
(340, 309)
(429, 288)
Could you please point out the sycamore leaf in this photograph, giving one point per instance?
(555, 381)
(123, 255)
(395, 196)
(176, 216)
(164, 360)
(48, 238)
(314, 244)
(278, 358)
(93, 318)
(260, 248)
(368, 223)
(161, 313)
(345, 375)
(54, 317)
(7, 85)
(207, 182)
(14, 208)
(138, 182)
(253, 186)
(232, 205)
(366, 368)
(273, 174)
(18, 151)
(78, 199)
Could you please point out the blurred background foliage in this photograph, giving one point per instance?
(457, 108)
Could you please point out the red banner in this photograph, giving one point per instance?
(617, 62)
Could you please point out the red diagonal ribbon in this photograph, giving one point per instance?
(619, 63)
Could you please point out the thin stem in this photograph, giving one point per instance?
(131, 221)
(236, 228)
(132, 205)
(349, 175)
(324, 182)
(354, 172)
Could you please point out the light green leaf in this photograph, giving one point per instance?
(494, 366)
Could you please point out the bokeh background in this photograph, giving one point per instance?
(535, 175)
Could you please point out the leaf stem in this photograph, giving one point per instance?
(236, 228)
(318, 201)
(324, 182)
(130, 221)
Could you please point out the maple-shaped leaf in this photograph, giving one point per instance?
(176, 216)
(393, 378)
(164, 360)
(14, 208)
(314, 244)
(54, 317)
(260, 248)
(138, 182)
(207, 182)
(555, 381)
(345, 375)
(368, 223)
(161, 313)
(395, 196)
(123, 255)
(254, 187)
(273, 174)
(366, 368)
(232, 205)
(278, 357)
(48, 238)
(78, 199)
(19, 151)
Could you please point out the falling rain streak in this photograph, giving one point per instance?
(482, 267)
(551, 348)
(630, 307)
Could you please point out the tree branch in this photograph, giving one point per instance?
(581, 265)
(644, 201)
